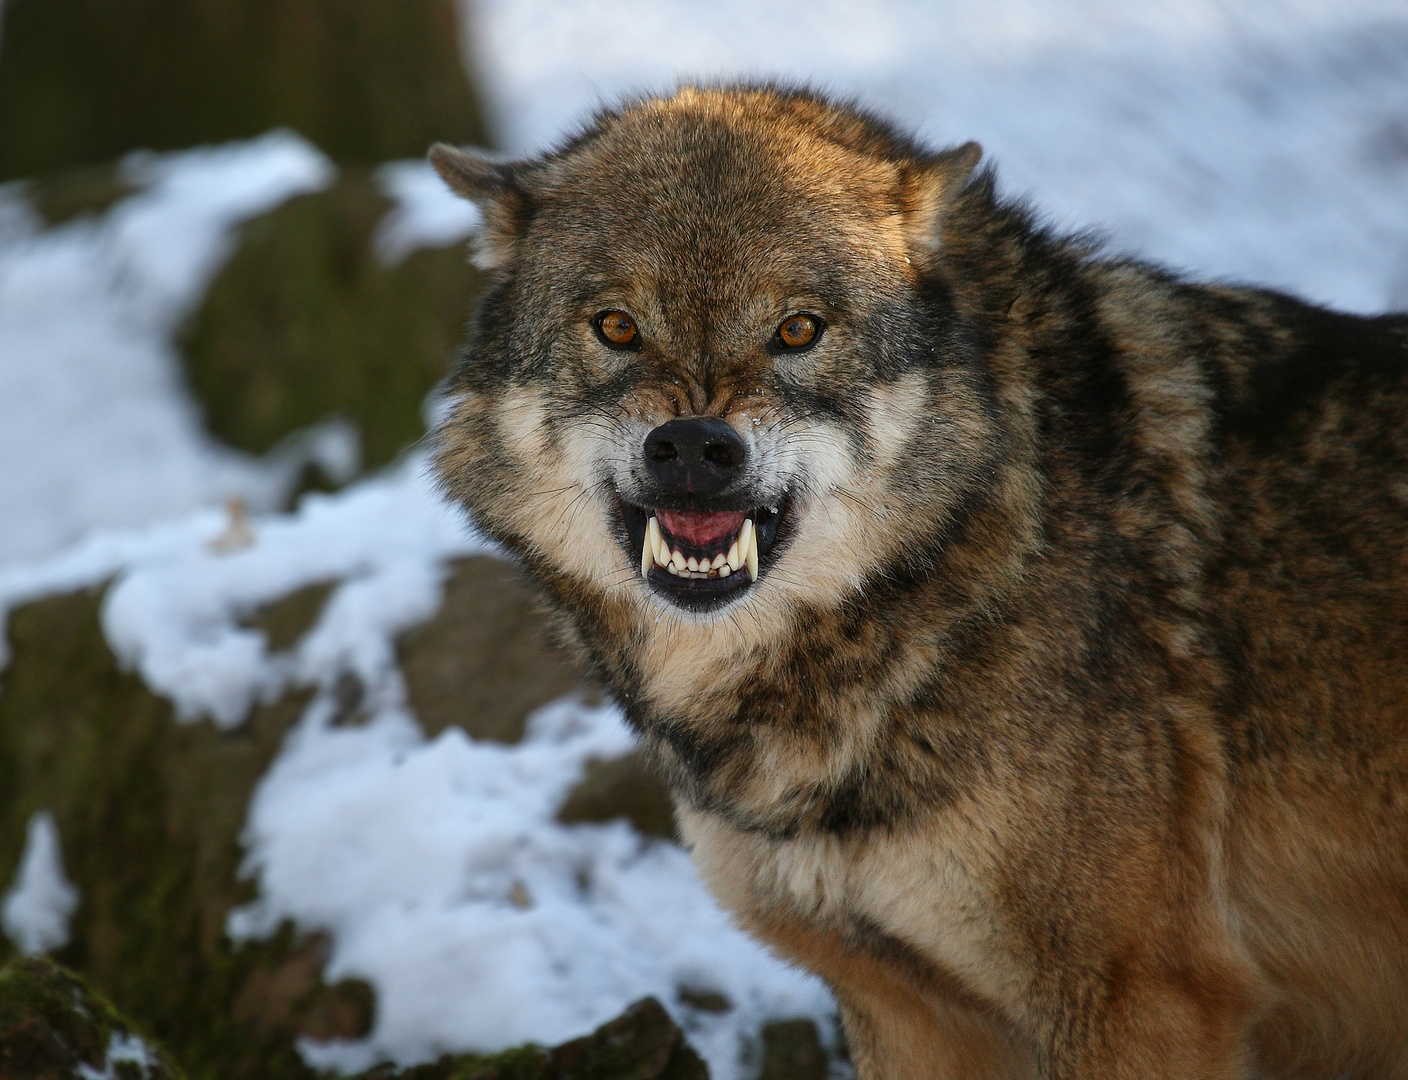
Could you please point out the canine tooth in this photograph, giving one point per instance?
(750, 553)
(647, 549)
(724, 571)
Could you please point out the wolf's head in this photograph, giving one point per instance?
(720, 383)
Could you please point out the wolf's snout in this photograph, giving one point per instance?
(694, 455)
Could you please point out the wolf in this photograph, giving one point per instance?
(1022, 630)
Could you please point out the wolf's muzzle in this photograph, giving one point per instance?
(694, 455)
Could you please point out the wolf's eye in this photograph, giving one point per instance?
(617, 329)
(798, 331)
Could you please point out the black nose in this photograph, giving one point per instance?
(695, 455)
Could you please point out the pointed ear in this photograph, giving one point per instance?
(931, 188)
(497, 188)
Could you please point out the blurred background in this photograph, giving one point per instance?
(234, 609)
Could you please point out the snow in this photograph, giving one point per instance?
(175, 619)
(37, 908)
(95, 427)
(1258, 141)
(426, 212)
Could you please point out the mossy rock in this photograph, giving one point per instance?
(53, 1027)
(643, 1043)
(305, 323)
(86, 81)
(150, 811)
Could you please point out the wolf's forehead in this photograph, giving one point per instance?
(732, 171)
(750, 201)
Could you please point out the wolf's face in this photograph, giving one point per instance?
(719, 378)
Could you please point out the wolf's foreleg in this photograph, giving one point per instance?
(1192, 1023)
(895, 1036)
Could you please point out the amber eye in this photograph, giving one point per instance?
(798, 331)
(617, 329)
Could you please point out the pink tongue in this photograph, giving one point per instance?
(701, 530)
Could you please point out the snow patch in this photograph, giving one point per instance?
(426, 212)
(95, 426)
(176, 617)
(482, 922)
(38, 907)
(122, 1049)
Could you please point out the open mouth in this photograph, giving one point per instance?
(700, 558)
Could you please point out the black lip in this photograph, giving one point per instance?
(704, 594)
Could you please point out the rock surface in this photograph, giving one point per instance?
(483, 662)
(306, 323)
(54, 1027)
(792, 1050)
(86, 81)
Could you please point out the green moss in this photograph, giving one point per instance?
(304, 323)
(85, 81)
(642, 1043)
(52, 1024)
(520, 1063)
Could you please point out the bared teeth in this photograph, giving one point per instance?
(748, 548)
(650, 549)
(655, 551)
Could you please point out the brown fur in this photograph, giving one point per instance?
(1065, 731)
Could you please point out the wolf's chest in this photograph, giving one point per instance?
(919, 888)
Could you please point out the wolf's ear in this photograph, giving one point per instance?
(932, 187)
(497, 188)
